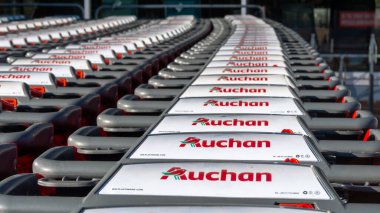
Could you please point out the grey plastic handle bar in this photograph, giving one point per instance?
(300, 68)
(109, 119)
(356, 174)
(318, 84)
(46, 165)
(149, 92)
(88, 140)
(357, 147)
(34, 138)
(167, 73)
(67, 117)
(146, 91)
(368, 146)
(337, 94)
(202, 61)
(348, 105)
(8, 155)
(13, 198)
(133, 104)
(363, 120)
(156, 81)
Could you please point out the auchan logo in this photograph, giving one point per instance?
(227, 143)
(12, 76)
(239, 103)
(229, 122)
(67, 56)
(249, 58)
(247, 70)
(247, 64)
(251, 52)
(60, 62)
(245, 78)
(253, 42)
(31, 69)
(252, 48)
(237, 90)
(82, 51)
(99, 47)
(223, 175)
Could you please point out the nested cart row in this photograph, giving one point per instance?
(236, 114)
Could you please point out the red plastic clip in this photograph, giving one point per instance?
(119, 56)
(62, 82)
(94, 67)
(9, 103)
(37, 91)
(298, 205)
(354, 115)
(367, 136)
(292, 160)
(80, 74)
(107, 61)
(287, 131)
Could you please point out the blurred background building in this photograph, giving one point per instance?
(340, 29)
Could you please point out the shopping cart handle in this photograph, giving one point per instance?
(185, 61)
(314, 76)
(40, 138)
(310, 62)
(15, 196)
(332, 95)
(198, 56)
(8, 155)
(11, 59)
(361, 207)
(355, 174)
(356, 147)
(157, 81)
(362, 120)
(165, 73)
(134, 104)
(180, 67)
(349, 106)
(149, 92)
(90, 104)
(68, 117)
(112, 118)
(89, 140)
(205, 48)
(304, 57)
(60, 162)
(318, 84)
(373, 134)
(30, 53)
(313, 69)
(197, 51)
